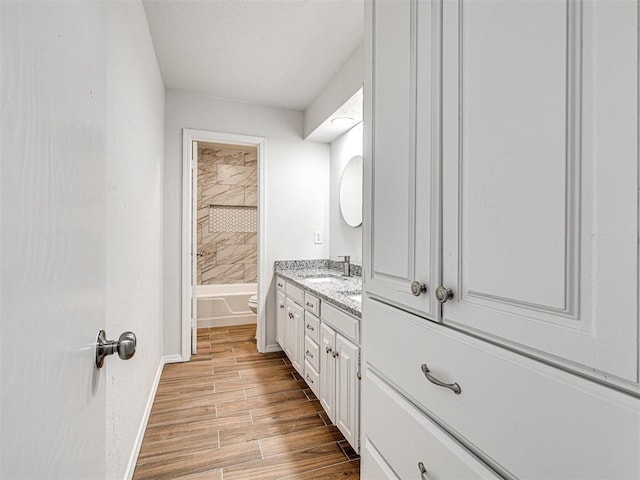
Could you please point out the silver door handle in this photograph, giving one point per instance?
(125, 346)
(454, 387)
(423, 471)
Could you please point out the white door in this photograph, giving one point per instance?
(347, 387)
(540, 183)
(194, 248)
(327, 370)
(52, 240)
(400, 107)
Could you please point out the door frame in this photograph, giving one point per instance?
(188, 137)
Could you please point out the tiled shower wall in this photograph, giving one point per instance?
(228, 179)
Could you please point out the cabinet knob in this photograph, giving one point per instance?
(418, 288)
(443, 294)
(328, 349)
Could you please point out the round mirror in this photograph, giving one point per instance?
(351, 192)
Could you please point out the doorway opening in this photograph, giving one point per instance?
(223, 239)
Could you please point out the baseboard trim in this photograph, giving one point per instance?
(274, 347)
(145, 419)
(177, 358)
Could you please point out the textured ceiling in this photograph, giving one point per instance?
(270, 52)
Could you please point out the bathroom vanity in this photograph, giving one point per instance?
(500, 246)
(318, 327)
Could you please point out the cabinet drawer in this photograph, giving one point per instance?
(340, 321)
(312, 378)
(409, 442)
(509, 405)
(312, 327)
(281, 285)
(295, 293)
(312, 353)
(312, 303)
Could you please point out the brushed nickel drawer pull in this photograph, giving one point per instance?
(309, 327)
(309, 354)
(423, 471)
(454, 387)
(309, 378)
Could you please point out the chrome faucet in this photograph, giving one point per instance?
(346, 265)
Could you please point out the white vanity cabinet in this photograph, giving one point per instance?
(501, 170)
(340, 371)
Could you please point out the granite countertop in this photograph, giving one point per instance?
(336, 291)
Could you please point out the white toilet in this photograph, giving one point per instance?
(253, 303)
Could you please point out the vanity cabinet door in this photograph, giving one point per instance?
(295, 335)
(327, 370)
(401, 102)
(540, 178)
(281, 315)
(347, 387)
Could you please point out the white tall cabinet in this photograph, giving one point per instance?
(501, 171)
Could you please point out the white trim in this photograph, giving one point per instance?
(274, 347)
(176, 358)
(189, 136)
(145, 419)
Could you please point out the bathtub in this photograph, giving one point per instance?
(222, 305)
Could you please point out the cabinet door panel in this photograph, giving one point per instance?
(327, 370)
(281, 314)
(295, 335)
(540, 177)
(397, 172)
(347, 390)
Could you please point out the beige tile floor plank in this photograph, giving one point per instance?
(289, 463)
(342, 471)
(231, 436)
(233, 413)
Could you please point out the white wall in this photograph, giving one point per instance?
(135, 151)
(345, 240)
(81, 195)
(347, 81)
(297, 193)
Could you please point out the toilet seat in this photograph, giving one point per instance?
(253, 303)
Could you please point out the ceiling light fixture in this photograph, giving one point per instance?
(342, 122)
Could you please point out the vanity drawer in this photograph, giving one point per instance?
(312, 378)
(525, 417)
(281, 284)
(312, 327)
(312, 353)
(409, 442)
(295, 293)
(312, 303)
(345, 324)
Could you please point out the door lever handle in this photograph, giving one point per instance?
(125, 346)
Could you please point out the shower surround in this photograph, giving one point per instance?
(227, 214)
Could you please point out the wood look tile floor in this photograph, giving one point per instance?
(233, 413)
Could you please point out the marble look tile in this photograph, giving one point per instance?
(251, 238)
(223, 194)
(238, 254)
(250, 273)
(251, 158)
(251, 195)
(221, 239)
(235, 175)
(223, 273)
